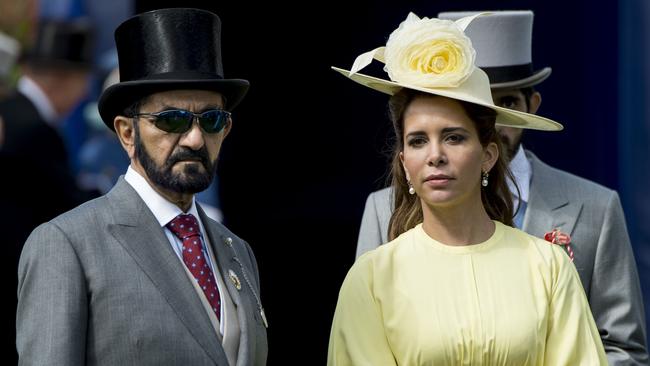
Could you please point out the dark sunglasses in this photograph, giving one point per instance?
(180, 120)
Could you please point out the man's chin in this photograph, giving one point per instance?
(187, 187)
(194, 182)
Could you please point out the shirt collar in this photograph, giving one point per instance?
(37, 96)
(522, 170)
(162, 209)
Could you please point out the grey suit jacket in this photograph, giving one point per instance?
(593, 216)
(100, 285)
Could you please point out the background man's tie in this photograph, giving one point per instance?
(519, 217)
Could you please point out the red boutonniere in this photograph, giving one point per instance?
(560, 238)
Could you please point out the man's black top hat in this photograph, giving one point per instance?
(168, 49)
(62, 44)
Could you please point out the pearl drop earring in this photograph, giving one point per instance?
(411, 189)
(484, 179)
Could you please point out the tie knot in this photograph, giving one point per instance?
(184, 226)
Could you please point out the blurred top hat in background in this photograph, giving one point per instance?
(62, 44)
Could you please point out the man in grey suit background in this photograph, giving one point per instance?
(141, 276)
(548, 198)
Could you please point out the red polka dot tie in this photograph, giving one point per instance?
(186, 228)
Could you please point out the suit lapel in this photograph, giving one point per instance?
(226, 261)
(138, 231)
(549, 206)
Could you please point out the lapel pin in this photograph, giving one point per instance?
(266, 324)
(234, 279)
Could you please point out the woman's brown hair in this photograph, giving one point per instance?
(496, 197)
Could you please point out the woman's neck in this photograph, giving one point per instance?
(457, 225)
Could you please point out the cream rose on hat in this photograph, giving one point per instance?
(435, 56)
(429, 53)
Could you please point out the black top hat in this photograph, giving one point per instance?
(168, 49)
(62, 44)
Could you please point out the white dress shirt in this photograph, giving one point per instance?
(522, 170)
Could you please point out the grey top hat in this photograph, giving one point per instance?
(502, 40)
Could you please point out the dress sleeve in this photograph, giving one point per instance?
(572, 337)
(358, 336)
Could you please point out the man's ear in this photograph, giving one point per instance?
(125, 130)
(534, 102)
(228, 127)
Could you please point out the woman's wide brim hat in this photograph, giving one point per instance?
(168, 49)
(434, 56)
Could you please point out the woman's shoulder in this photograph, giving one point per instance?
(385, 257)
(538, 249)
(372, 269)
(392, 248)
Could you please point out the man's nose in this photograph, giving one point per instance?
(193, 138)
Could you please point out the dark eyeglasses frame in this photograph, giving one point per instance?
(157, 119)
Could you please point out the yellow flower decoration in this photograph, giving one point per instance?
(429, 53)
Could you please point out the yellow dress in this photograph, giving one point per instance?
(512, 300)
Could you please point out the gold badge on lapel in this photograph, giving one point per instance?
(234, 279)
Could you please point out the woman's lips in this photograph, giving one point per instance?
(437, 180)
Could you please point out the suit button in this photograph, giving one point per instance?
(228, 241)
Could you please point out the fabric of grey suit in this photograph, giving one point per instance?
(593, 216)
(101, 285)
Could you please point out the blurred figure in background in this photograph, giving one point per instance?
(101, 157)
(37, 182)
(55, 73)
(9, 50)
